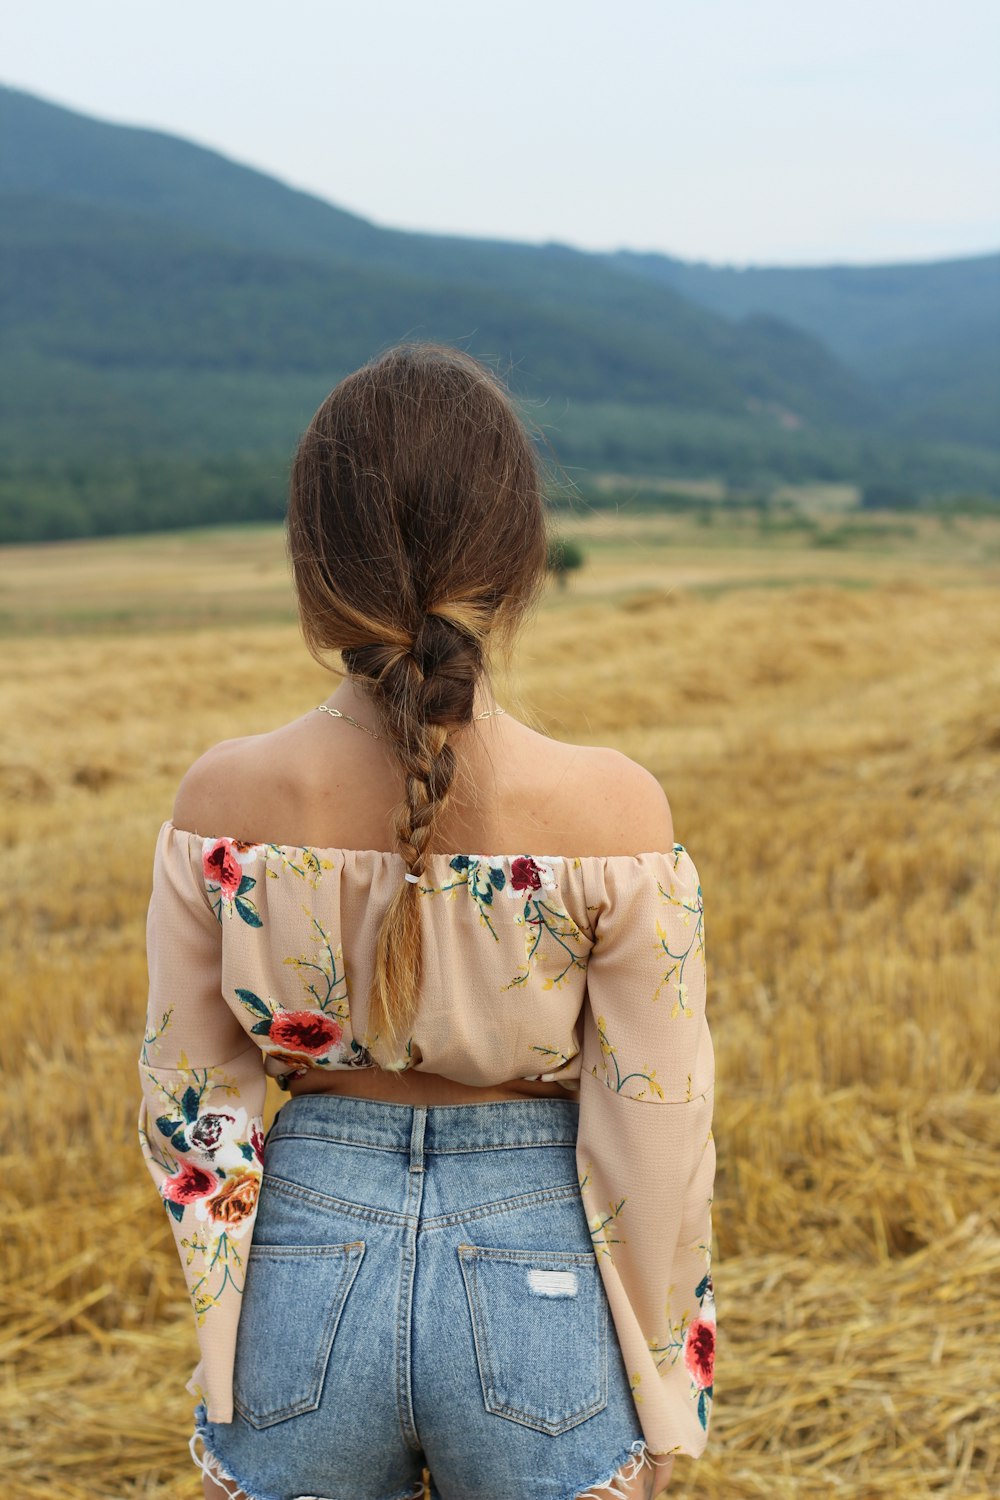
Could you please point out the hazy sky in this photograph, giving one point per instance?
(776, 132)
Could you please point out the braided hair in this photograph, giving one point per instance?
(418, 539)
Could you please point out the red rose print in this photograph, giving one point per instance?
(305, 1031)
(220, 863)
(257, 1141)
(189, 1183)
(699, 1352)
(524, 874)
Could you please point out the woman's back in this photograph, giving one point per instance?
(319, 781)
(520, 792)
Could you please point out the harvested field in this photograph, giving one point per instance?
(826, 723)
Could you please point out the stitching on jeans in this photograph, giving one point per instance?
(404, 1391)
(294, 1134)
(353, 1254)
(572, 1258)
(502, 1206)
(283, 1188)
(497, 1146)
(470, 1265)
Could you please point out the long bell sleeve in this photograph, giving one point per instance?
(645, 1148)
(202, 1085)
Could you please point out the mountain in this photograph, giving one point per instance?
(925, 337)
(165, 307)
(126, 222)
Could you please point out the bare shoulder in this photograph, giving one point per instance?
(627, 810)
(211, 789)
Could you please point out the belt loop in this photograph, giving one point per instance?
(417, 1138)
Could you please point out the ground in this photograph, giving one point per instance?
(825, 722)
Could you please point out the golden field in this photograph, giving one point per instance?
(826, 723)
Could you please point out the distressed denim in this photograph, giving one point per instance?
(422, 1291)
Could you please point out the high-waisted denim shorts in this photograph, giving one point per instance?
(422, 1292)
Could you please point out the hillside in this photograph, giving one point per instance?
(166, 307)
(158, 250)
(925, 338)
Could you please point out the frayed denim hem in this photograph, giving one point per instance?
(628, 1465)
(235, 1488)
(207, 1463)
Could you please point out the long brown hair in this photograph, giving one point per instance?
(418, 539)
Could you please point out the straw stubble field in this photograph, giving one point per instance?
(828, 732)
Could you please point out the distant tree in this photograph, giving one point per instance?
(883, 494)
(564, 557)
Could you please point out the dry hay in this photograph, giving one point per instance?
(833, 761)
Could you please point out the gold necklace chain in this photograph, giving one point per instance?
(326, 709)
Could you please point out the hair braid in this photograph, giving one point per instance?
(422, 694)
(417, 535)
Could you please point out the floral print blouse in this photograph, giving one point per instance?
(589, 971)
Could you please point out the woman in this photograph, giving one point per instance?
(478, 1235)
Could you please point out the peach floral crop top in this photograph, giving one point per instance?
(589, 971)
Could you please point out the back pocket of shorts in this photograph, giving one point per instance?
(540, 1321)
(292, 1302)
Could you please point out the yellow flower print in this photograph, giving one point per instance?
(681, 1004)
(599, 1224)
(695, 948)
(303, 862)
(619, 1080)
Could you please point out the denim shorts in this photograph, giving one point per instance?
(422, 1292)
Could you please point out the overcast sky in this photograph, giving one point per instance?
(777, 132)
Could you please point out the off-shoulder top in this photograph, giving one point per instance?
(589, 971)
